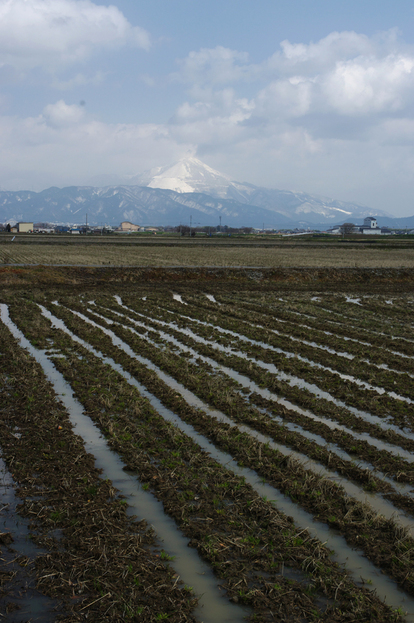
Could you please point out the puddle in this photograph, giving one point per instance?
(21, 591)
(212, 299)
(192, 569)
(177, 297)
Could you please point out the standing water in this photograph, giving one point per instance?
(193, 571)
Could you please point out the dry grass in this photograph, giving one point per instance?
(135, 255)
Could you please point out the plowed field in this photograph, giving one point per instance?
(273, 429)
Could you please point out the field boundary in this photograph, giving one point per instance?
(342, 279)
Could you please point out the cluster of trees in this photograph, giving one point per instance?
(185, 230)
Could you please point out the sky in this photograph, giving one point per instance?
(314, 96)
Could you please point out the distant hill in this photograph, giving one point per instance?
(172, 195)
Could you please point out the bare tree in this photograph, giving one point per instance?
(346, 229)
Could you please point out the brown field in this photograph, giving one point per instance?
(265, 413)
(220, 253)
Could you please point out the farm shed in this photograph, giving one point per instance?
(24, 227)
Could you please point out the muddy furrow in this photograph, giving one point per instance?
(340, 393)
(323, 328)
(356, 363)
(357, 371)
(98, 560)
(350, 436)
(127, 420)
(365, 422)
(237, 446)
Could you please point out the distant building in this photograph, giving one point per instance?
(369, 227)
(24, 227)
(127, 226)
(370, 222)
(62, 229)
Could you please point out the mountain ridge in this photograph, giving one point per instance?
(171, 195)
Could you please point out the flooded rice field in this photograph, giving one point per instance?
(196, 454)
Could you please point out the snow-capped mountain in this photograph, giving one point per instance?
(190, 175)
(170, 195)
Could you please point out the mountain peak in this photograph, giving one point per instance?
(189, 175)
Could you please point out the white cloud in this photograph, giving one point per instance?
(218, 65)
(367, 85)
(286, 98)
(345, 73)
(326, 52)
(64, 146)
(49, 33)
(62, 114)
(334, 117)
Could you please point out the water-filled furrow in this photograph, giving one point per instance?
(337, 353)
(345, 327)
(374, 333)
(313, 344)
(290, 355)
(192, 569)
(328, 349)
(229, 372)
(29, 603)
(294, 381)
(356, 563)
(378, 503)
(196, 402)
(252, 386)
(282, 375)
(246, 384)
(404, 489)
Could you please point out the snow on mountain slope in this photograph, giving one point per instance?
(190, 175)
(173, 194)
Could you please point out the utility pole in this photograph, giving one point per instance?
(86, 220)
(191, 222)
(220, 224)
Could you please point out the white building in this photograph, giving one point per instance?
(370, 227)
